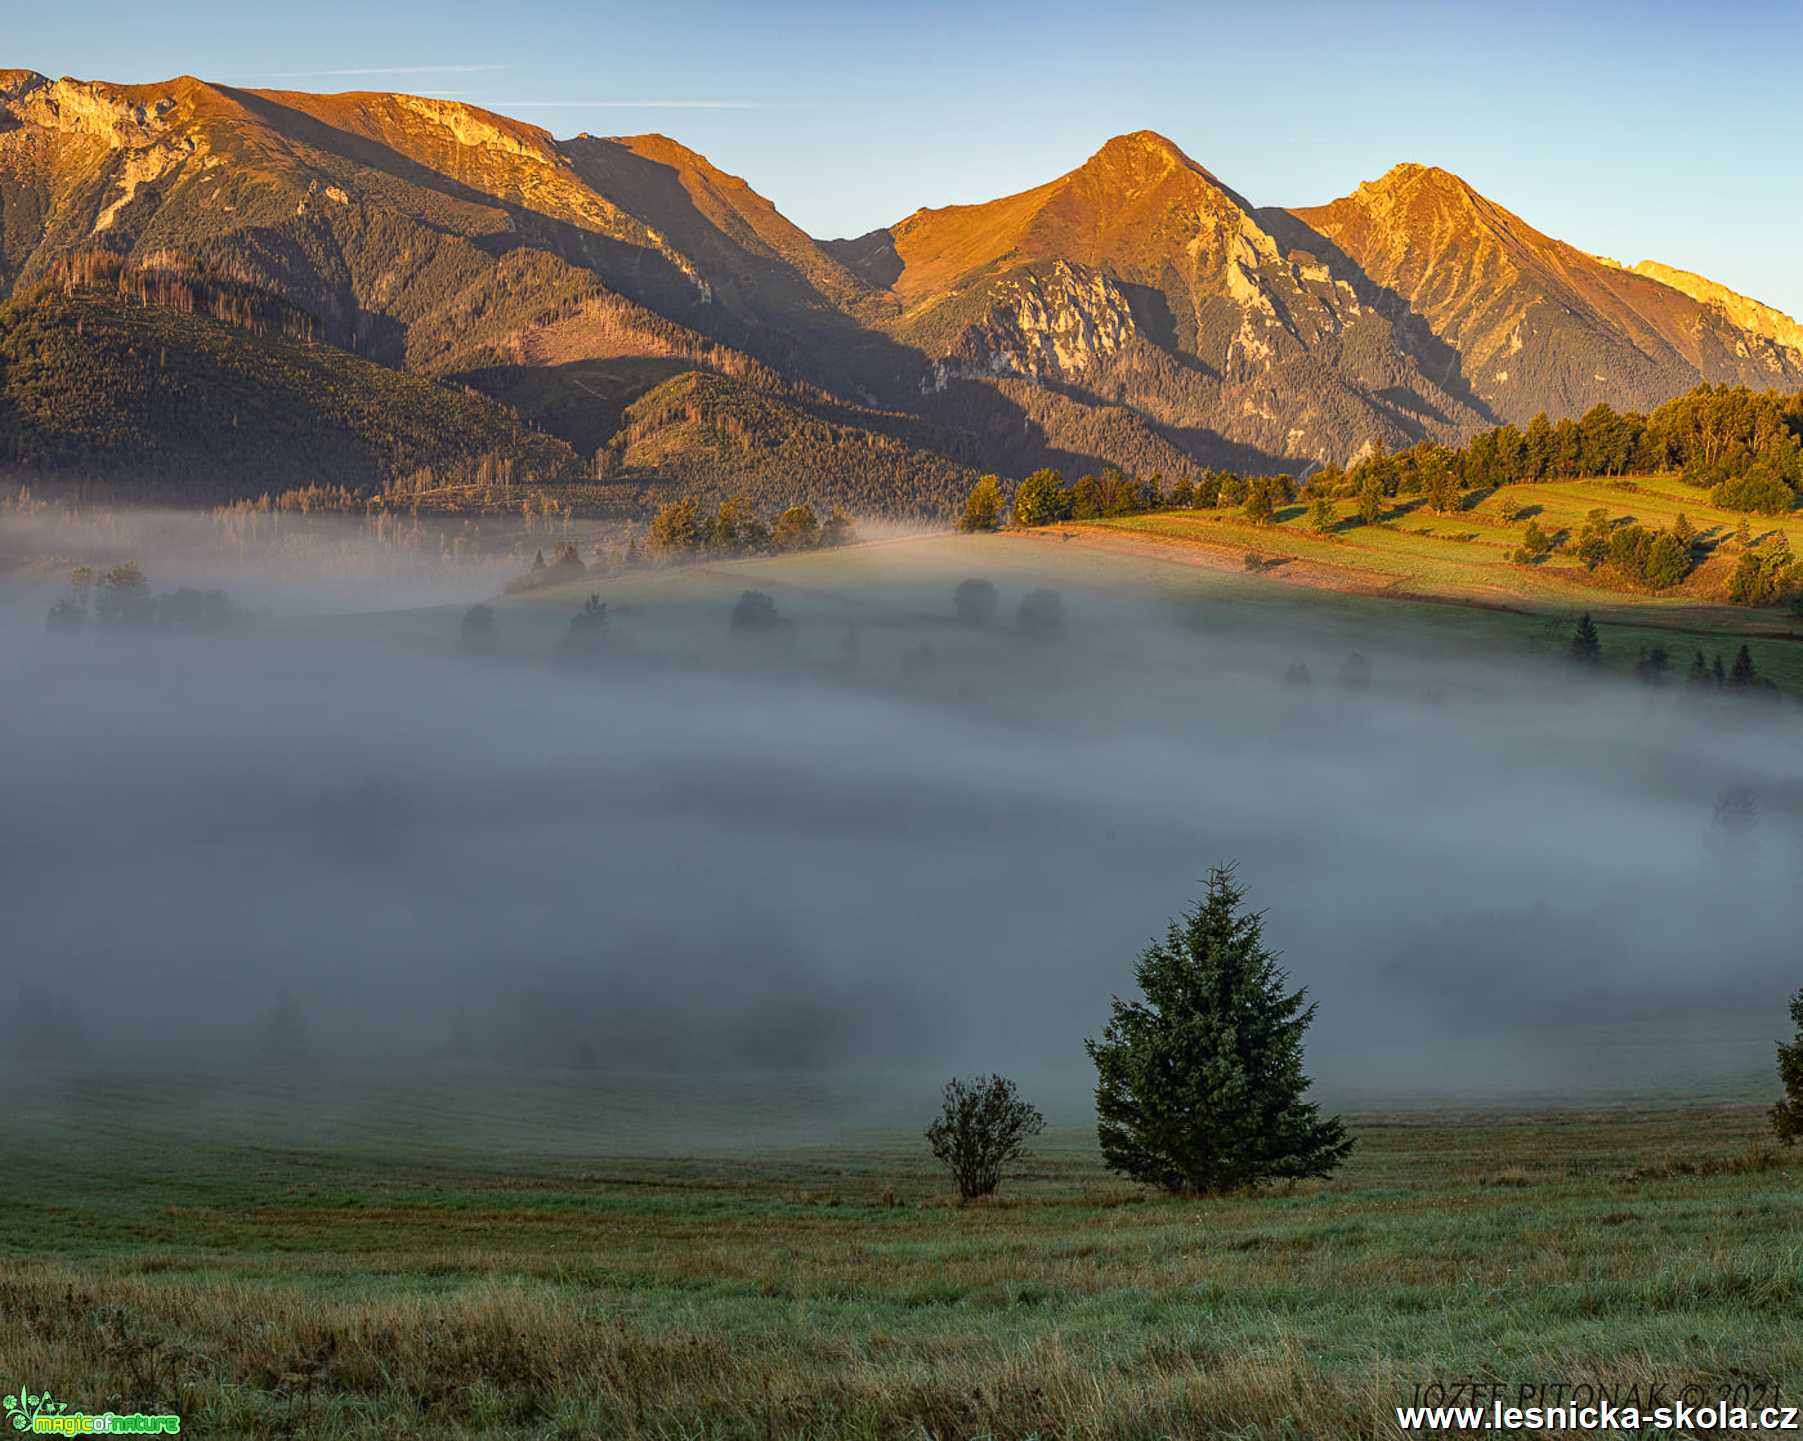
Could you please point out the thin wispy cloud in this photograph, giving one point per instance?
(630, 104)
(388, 70)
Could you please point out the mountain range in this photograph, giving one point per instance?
(619, 309)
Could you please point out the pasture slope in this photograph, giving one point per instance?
(1465, 558)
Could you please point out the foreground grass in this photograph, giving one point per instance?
(391, 1288)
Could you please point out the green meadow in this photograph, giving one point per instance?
(1466, 559)
(478, 1253)
(1378, 588)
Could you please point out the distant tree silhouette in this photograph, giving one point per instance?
(1744, 673)
(1355, 671)
(591, 635)
(976, 601)
(1654, 663)
(124, 596)
(755, 611)
(1586, 647)
(1041, 613)
(477, 632)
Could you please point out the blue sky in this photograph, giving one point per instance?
(1646, 130)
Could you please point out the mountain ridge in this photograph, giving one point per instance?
(1135, 300)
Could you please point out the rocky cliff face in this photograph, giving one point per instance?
(1536, 324)
(1062, 323)
(1740, 311)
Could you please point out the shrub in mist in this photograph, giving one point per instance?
(1041, 613)
(1787, 1115)
(976, 602)
(1199, 1084)
(755, 611)
(591, 634)
(477, 632)
(983, 1125)
(1354, 672)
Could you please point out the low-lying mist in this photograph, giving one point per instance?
(870, 836)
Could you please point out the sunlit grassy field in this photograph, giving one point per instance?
(505, 1256)
(1480, 603)
(1467, 557)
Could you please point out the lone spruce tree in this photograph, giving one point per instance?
(1787, 1115)
(1199, 1086)
(1586, 646)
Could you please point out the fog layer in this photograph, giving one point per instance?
(871, 836)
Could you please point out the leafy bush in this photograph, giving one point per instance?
(1041, 613)
(1760, 489)
(755, 611)
(976, 601)
(984, 1125)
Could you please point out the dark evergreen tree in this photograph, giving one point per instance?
(1199, 1085)
(1787, 1115)
(1745, 673)
(1655, 661)
(1586, 647)
(1699, 671)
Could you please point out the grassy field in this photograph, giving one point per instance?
(1465, 558)
(1170, 564)
(491, 1255)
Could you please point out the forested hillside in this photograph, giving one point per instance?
(161, 405)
